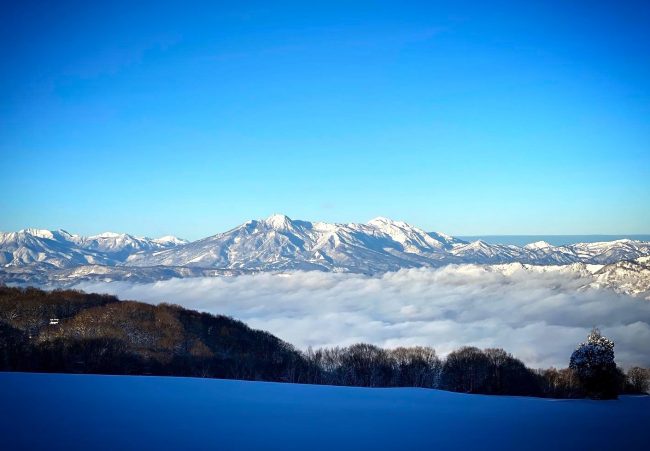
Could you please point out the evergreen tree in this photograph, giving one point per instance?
(593, 363)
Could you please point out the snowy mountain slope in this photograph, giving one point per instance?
(279, 243)
(482, 252)
(60, 249)
(57, 249)
(611, 251)
(169, 240)
(120, 246)
(631, 277)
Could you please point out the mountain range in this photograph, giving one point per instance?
(279, 243)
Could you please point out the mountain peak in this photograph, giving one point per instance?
(108, 235)
(170, 239)
(382, 221)
(278, 221)
(538, 245)
(477, 244)
(40, 233)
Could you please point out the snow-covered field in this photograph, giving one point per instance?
(47, 411)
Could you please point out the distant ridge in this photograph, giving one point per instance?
(279, 243)
(555, 240)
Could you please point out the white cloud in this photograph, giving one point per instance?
(539, 317)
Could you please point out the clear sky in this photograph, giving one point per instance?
(190, 118)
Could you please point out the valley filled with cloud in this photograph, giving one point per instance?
(538, 317)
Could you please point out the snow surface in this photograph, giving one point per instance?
(62, 411)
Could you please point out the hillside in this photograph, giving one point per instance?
(69, 331)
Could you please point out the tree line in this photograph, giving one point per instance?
(76, 332)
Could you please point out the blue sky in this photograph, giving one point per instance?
(191, 118)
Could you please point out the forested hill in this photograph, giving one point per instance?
(101, 334)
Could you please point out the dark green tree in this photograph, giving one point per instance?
(593, 363)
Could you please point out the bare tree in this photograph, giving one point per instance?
(639, 379)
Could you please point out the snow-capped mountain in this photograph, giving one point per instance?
(60, 249)
(169, 241)
(481, 252)
(120, 246)
(628, 276)
(57, 249)
(279, 243)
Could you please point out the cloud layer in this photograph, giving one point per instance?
(539, 317)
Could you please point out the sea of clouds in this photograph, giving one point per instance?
(538, 317)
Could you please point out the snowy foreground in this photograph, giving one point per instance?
(55, 411)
